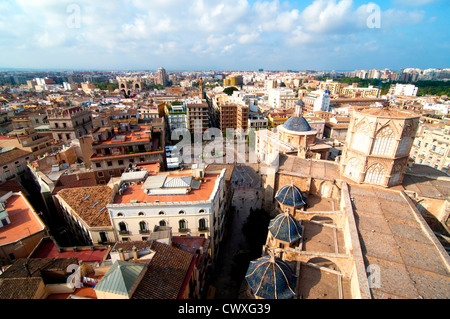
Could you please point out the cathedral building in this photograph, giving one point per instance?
(377, 146)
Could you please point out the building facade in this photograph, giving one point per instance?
(69, 123)
(432, 146)
(378, 145)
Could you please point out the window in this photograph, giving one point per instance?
(202, 224)
(353, 168)
(98, 164)
(403, 146)
(361, 138)
(162, 223)
(161, 213)
(384, 141)
(119, 214)
(201, 211)
(182, 225)
(143, 227)
(141, 214)
(109, 163)
(181, 212)
(120, 162)
(103, 237)
(4, 222)
(123, 228)
(375, 174)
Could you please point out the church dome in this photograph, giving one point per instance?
(271, 278)
(286, 228)
(290, 195)
(297, 124)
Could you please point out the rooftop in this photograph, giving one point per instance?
(24, 221)
(89, 203)
(48, 249)
(12, 155)
(385, 112)
(166, 273)
(136, 192)
(395, 238)
(137, 135)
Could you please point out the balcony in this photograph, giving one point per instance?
(183, 230)
(124, 232)
(202, 229)
(144, 231)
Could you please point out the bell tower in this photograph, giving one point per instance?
(200, 88)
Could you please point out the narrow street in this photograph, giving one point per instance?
(247, 194)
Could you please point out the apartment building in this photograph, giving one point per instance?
(69, 123)
(403, 89)
(191, 202)
(176, 117)
(432, 146)
(277, 118)
(114, 150)
(282, 98)
(257, 121)
(317, 101)
(13, 162)
(197, 113)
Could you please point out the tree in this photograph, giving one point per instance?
(229, 90)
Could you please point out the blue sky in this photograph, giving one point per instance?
(224, 34)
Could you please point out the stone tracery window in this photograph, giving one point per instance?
(384, 141)
(361, 138)
(375, 174)
(353, 168)
(403, 145)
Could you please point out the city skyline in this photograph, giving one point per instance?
(214, 35)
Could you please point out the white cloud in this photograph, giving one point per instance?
(415, 2)
(203, 28)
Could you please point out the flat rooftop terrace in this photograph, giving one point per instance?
(24, 222)
(135, 192)
(394, 237)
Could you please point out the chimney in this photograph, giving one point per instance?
(135, 254)
(121, 254)
(27, 268)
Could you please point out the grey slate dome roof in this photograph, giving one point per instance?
(271, 278)
(297, 124)
(290, 195)
(286, 228)
(300, 102)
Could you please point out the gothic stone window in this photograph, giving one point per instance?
(353, 168)
(384, 141)
(375, 174)
(361, 138)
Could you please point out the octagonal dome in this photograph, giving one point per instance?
(286, 228)
(290, 195)
(297, 124)
(271, 278)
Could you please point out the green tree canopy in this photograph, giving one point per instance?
(229, 90)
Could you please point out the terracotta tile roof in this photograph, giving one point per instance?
(75, 180)
(36, 266)
(88, 203)
(19, 288)
(166, 273)
(12, 155)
